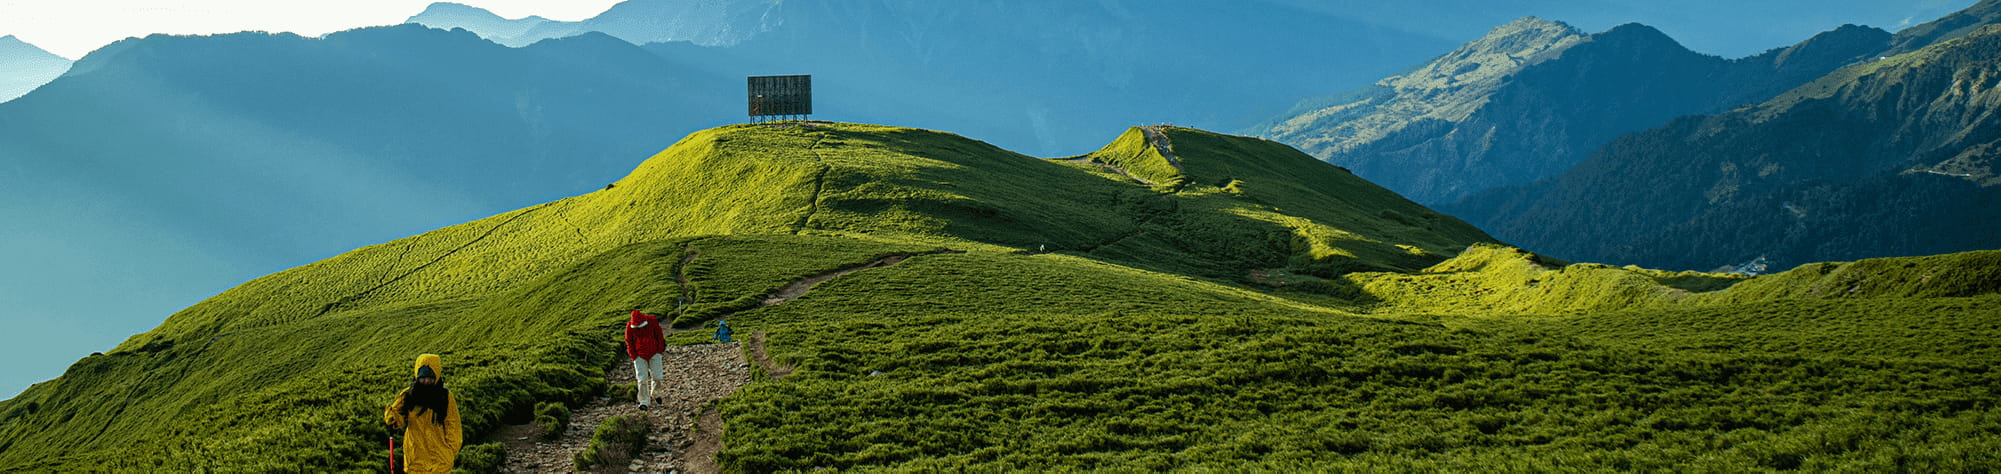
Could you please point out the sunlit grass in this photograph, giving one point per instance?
(1267, 312)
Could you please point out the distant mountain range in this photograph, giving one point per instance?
(1547, 138)
(163, 169)
(446, 16)
(1896, 156)
(1535, 97)
(1039, 76)
(296, 132)
(23, 67)
(703, 22)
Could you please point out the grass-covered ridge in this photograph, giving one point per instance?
(1268, 310)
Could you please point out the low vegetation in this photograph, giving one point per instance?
(551, 417)
(1271, 313)
(481, 458)
(617, 439)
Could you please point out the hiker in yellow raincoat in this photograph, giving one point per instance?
(429, 417)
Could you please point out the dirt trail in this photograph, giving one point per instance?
(687, 432)
(1109, 167)
(694, 376)
(763, 358)
(1157, 136)
(799, 288)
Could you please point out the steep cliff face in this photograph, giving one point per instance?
(1534, 97)
(1891, 157)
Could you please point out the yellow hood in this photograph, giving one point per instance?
(429, 360)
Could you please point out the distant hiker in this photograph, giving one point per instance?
(723, 331)
(644, 339)
(428, 415)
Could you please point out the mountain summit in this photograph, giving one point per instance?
(447, 15)
(702, 22)
(1533, 98)
(24, 67)
(1895, 156)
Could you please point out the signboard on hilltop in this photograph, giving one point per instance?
(780, 97)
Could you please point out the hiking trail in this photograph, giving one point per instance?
(1157, 136)
(1108, 167)
(686, 428)
(693, 378)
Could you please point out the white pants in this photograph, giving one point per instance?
(646, 374)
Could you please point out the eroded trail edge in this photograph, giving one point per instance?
(686, 428)
(694, 378)
(763, 358)
(799, 288)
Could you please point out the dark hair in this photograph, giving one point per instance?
(429, 397)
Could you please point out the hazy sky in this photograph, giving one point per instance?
(1731, 28)
(71, 28)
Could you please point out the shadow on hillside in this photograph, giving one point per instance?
(1698, 283)
(1343, 289)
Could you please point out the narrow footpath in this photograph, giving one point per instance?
(686, 428)
(695, 376)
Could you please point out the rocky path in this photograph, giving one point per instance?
(1109, 167)
(1157, 136)
(686, 431)
(694, 377)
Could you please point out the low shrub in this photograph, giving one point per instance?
(618, 437)
(481, 458)
(551, 416)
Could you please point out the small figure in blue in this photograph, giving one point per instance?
(723, 331)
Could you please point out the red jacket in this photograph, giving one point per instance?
(642, 336)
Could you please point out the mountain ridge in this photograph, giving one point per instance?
(705, 23)
(1868, 154)
(1031, 88)
(1534, 118)
(448, 15)
(1959, 23)
(26, 67)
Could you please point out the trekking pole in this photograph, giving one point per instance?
(392, 454)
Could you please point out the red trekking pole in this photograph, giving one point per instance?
(392, 455)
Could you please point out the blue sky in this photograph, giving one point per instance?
(51, 320)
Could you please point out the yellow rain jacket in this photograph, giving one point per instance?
(427, 446)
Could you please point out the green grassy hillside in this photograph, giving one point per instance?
(1254, 308)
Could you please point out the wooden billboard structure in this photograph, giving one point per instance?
(780, 97)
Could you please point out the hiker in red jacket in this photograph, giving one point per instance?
(644, 339)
